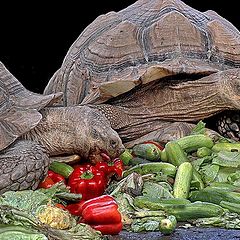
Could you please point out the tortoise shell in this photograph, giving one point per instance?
(19, 108)
(149, 40)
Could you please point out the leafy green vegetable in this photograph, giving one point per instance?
(227, 220)
(209, 173)
(19, 233)
(224, 173)
(146, 224)
(13, 216)
(27, 200)
(227, 159)
(199, 128)
(156, 190)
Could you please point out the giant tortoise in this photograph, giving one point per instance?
(154, 69)
(31, 131)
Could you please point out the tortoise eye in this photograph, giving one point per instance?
(113, 143)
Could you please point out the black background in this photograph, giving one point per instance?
(36, 36)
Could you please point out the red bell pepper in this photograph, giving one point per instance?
(51, 179)
(77, 208)
(46, 183)
(56, 177)
(109, 229)
(112, 167)
(102, 214)
(88, 181)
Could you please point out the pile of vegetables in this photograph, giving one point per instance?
(150, 187)
(194, 179)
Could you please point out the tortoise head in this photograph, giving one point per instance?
(99, 136)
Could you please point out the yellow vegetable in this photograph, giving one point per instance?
(55, 217)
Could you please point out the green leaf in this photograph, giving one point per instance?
(227, 159)
(224, 173)
(27, 200)
(209, 173)
(156, 190)
(19, 233)
(199, 128)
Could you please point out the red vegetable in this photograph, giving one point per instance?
(59, 205)
(75, 208)
(88, 181)
(56, 177)
(102, 200)
(46, 183)
(116, 166)
(111, 229)
(101, 214)
(110, 168)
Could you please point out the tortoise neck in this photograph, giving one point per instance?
(117, 116)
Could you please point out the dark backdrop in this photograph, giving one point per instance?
(36, 36)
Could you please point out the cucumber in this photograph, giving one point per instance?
(232, 207)
(191, 143)
(176, 156)
(183, 180)
(147, 151)
(231, 147)
(61, 168)
(153, 167)
(164, 155)
(126, 157)
(175, 153)
(158, 204)
(214, 195)
(137, 160)
(168, 225)
(195, 210)
(203, 152)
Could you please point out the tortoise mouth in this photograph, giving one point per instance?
(97, 155)
(228, 125)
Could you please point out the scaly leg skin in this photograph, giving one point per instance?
(173, 131)
(22, 166)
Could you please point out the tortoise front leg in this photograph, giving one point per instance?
(22, 166)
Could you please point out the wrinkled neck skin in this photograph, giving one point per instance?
(62, 131)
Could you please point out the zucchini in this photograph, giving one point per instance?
(158, 204)
(61, 168)
(183, 180)
(231, 147)
(195, 210)
(175, 153)
(147, 151)
(153, 167)
(191, 143)
(168, 225)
